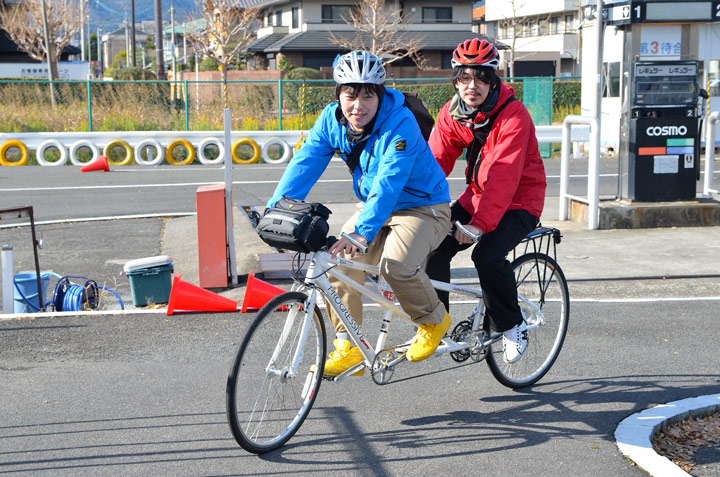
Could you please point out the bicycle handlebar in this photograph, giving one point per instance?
(462, 229)
(361, 248)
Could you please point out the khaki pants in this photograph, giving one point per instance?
(401, 249)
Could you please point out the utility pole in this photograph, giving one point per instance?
(132, 33)
(127, 44)
(172, 46)
(172, 38)
(99, 52)
(159, 60)
(49, 53)
(600, 35)
(89, 46)
(82, 32)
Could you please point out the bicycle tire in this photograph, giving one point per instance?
(266, 408)
(541, 280)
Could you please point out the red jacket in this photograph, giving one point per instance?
(511, 174)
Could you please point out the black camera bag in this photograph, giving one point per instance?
(295, 225)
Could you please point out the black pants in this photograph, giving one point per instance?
(489, 256)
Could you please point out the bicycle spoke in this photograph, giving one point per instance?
(544, 300)
(267, 398)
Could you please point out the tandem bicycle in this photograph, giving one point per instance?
(278, 367)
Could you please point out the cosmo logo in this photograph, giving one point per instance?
(666, 131)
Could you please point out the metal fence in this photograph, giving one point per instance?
(93, 106)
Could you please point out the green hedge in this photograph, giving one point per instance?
(566, 94)
(317, 96)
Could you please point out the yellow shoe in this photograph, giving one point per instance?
(343, 358)
(427, 339)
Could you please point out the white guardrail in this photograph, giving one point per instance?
(164, 142)
(593, 197)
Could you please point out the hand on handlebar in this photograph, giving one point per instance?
(345, 244)
(466, 233)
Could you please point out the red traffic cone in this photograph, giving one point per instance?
(101, 164)
(188, 297)
(257, 293)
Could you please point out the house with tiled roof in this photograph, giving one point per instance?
(303, 30)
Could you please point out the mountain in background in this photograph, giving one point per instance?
(110, 14)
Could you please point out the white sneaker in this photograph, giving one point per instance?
(514, 342)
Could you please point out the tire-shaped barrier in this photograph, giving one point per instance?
(76, 147)
(300, 143)
(159, 152)
(128, 153)
(245, 142)
(201, 151)
(44, 146)
(275, 141)
(9, 144)
(171, 147)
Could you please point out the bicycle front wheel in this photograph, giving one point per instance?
(276, 374)
(544, 300)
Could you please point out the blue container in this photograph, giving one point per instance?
(26, 286)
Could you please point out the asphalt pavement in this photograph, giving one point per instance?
(70, 376)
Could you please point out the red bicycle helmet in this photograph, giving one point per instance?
(476, 52)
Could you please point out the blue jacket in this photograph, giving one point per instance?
(396, 170)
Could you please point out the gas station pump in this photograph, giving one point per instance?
(661, 116)
(661, 159)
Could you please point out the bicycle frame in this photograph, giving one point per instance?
(316, 278)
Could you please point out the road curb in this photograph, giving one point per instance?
(634, 434)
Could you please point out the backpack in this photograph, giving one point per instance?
(423, 117)
(421, 113)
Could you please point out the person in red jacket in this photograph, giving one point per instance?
(505, 178)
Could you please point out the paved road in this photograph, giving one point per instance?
(65, 192)
(144, 395)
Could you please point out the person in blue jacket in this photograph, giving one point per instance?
(404, 211)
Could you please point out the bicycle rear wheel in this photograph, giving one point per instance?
(542, 283)
(267, 399)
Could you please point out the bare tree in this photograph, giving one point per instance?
(381, 30)
(224, 30)
(56, 19)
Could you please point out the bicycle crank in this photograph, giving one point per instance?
(383, 366)
(480, 346)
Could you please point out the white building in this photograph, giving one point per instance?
(542, 36)
(301, 30)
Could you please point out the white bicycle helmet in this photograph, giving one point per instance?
(358, 67)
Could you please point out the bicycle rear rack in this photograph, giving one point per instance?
(539, 241)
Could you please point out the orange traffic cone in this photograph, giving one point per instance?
(257, 293)
(188, 297)
(101, 164)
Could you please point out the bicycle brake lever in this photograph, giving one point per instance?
(254, 217)
(330, 240)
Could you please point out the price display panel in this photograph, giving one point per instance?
(665, 84)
